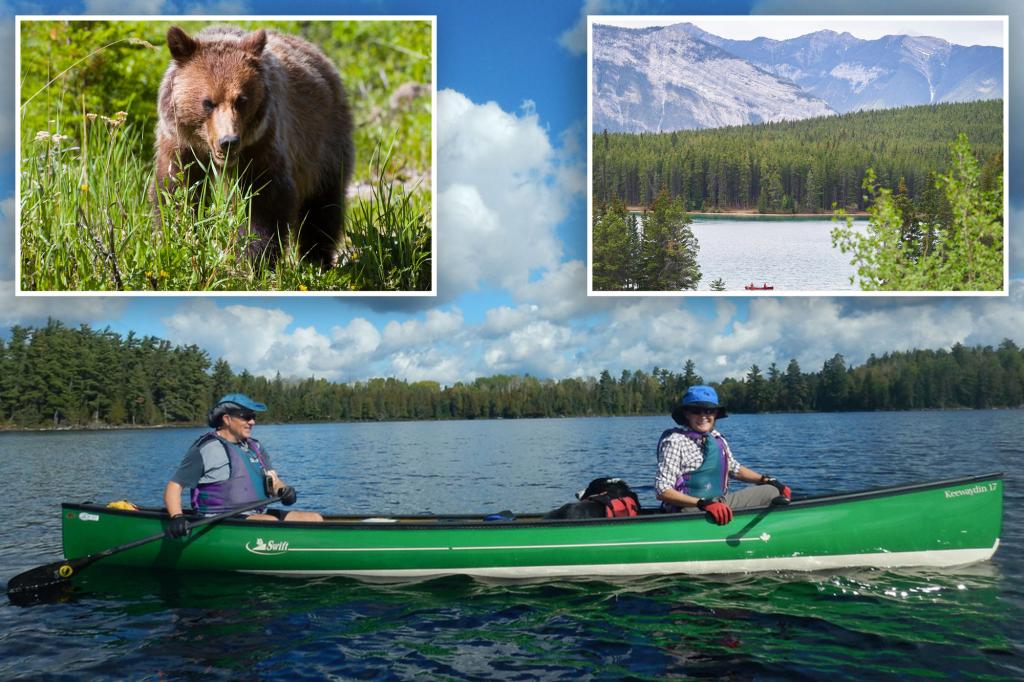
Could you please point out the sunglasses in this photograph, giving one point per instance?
(244, 415)
(706, 411)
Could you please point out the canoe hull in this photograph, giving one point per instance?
(938, 524)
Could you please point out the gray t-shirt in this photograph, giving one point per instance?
(208, 464)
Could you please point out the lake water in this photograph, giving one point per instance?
(853, 624)
(792, 255)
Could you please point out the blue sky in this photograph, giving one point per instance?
(512, 230)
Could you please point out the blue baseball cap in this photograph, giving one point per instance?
(241, 400)
(232, 401)
(697, 396)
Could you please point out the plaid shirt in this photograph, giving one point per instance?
(679, 454)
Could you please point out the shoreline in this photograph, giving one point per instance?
(5, 429)
(752, 213)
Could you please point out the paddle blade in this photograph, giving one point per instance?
(43, 581)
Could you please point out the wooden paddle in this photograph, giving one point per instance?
(29, 586)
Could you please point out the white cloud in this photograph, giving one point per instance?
(500, 196)
(539, 348)
(262, 341)
(428, 365)
(558, 294)
(242, 335)
(643, 334)
(438, 326)
(574, 38)
(71, 310)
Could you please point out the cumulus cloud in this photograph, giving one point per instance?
(501, 195)
(558, 294)
(574, 38)
(429, 365)
(539, 348)
(71, 310)
(437, 326)
(263, 341)
(647, 333)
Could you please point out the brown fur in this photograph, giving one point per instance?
(274, 106)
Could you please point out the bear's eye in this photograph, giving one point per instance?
(241, 101)
(208, 105)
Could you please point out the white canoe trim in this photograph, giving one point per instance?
(763, 537)
(932, 558)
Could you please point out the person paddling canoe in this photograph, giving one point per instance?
(695, 464)
(226, 468)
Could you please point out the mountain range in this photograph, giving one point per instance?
(681, 77)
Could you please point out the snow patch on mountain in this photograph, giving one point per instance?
(858, 75)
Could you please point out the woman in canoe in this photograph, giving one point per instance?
(695, 464)
(227, 468)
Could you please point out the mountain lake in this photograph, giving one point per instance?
(791, 254)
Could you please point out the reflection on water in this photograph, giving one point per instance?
(780, 625)
(858, 624)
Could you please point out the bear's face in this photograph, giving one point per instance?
(219, 93)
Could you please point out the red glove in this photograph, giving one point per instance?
(783, 489)
(716, 507)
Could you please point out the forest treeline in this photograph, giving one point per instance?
(59, 376)
(804, 166)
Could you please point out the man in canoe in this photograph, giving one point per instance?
(227, 468)
(695, 464)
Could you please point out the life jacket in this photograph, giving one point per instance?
(245, 481)
(711, 478)
(615, 507)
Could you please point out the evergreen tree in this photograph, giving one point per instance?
(668, 249)
(834, 386)
(794, 396)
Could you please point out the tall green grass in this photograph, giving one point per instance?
(87, 224)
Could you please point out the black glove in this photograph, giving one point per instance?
(178, 527)
(785, 494)
(288, 495)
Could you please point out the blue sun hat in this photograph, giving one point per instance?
(697, 396)
(232, 401)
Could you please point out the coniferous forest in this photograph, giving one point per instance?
(57, 377)
(807, 166)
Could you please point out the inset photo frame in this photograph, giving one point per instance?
(797, 155)
(226, 155)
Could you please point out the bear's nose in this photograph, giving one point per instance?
(226, 141)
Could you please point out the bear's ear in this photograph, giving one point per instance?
(254, 42)
(182, 47)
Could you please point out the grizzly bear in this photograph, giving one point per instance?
(271, 106)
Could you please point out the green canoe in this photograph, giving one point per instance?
(943, 523)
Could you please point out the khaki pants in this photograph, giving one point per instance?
(747, 498)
